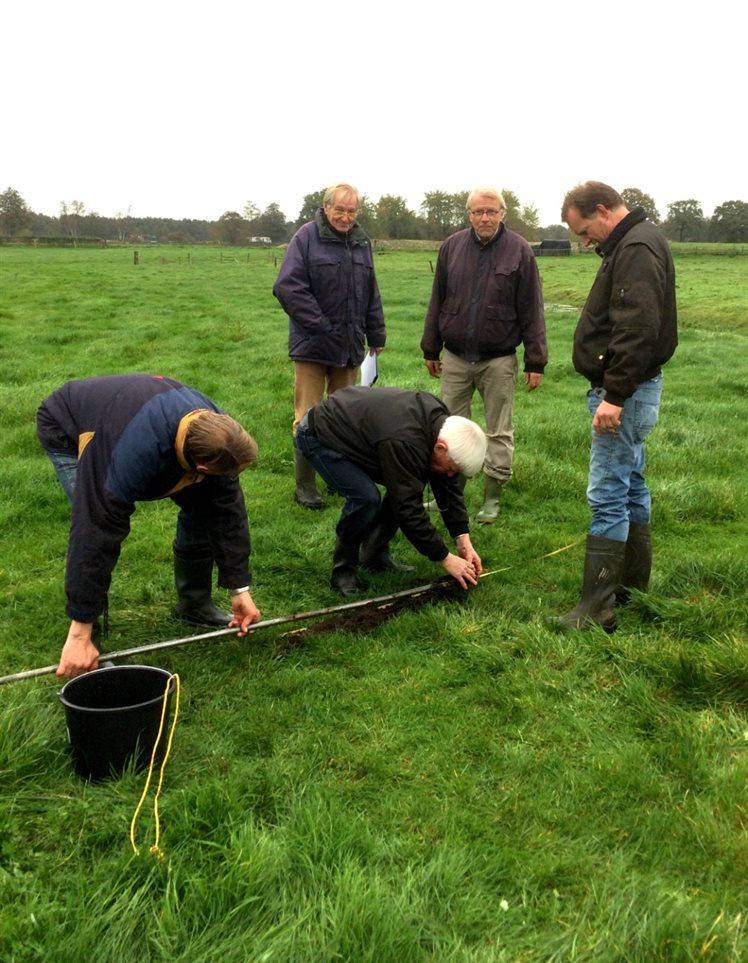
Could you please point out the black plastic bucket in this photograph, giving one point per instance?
(113, 717)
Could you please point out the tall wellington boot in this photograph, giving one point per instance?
(375, 549)
(344, 563)
(637, 562)
(603, 562)
(193, 578)
(306, 493)
(489, 511)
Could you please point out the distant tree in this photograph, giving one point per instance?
(271, 223)
(522, 219)
(14, 212)
(685, 221)
(730, 223)
(444, 213)
(554, 232)
(70, 217)
(231, 229)
(366, 217)
(633, 197)
(393, 219)
(251, 211)
(309, 207)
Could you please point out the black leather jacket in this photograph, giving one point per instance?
(628, 326)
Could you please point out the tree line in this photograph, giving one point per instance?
(389, 218)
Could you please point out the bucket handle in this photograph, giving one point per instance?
(155, 849)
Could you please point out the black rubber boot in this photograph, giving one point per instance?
(637, 562)
(193, 577)
(603, 562)
(344, 562)
(375, 549)
(306, 493)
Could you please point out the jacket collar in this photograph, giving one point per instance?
(620, 230)
(180, 449)
(492, 240)
(327, 232)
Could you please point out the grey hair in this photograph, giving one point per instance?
(488, 192)
(329, 197)
(466, 444)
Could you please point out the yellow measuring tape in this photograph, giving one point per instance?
(155, 849)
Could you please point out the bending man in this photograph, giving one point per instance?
(117, 440)
(360, 438)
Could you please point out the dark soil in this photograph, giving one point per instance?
(365, 619)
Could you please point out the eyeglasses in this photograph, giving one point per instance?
(347, 211)
(488, 211)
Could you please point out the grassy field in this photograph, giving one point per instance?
(459, 784)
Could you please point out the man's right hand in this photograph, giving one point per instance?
(462, 570)
(434, 368)
(79, 654)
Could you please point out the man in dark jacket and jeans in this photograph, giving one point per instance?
(360, 438)
(120, 439)
(626, 333)
(327, 287)
(486, 300)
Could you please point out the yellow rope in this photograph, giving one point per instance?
(556, 551)
(155, 849)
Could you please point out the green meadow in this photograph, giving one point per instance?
(460, 783)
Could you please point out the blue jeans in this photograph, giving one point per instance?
(362, 497)
(616, 491)
(66, 469)
(192, 532)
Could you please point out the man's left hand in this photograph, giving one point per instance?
(533, 379)
(245, 612)
(607, 418)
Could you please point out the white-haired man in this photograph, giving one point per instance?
(486, 300)
(360, 438)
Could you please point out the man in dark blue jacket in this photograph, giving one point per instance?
(117, 440)
(328, 289)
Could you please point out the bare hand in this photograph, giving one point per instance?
(466, 551)
(461, 570)
(533, 379)
(245, 612)
(434, 368)
(607, 418)
(79, 654)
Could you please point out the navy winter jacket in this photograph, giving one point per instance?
(327, 287)
(128, 434)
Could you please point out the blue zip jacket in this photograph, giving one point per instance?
(128, 434)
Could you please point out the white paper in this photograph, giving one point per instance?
(369, 370)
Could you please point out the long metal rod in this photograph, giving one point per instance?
(265, 624)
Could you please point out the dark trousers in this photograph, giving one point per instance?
(362, 497)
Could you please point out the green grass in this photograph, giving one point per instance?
(459, 785)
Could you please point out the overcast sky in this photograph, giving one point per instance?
(184, 110)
